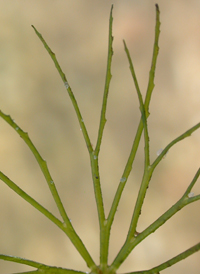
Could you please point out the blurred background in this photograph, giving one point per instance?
(32, 92)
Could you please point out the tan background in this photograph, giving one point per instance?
(32, 93)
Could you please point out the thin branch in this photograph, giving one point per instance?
(41, 268)
(142, 107)
(71, 95)
(97, 188)
(30, 200)
(67, 229)
(146, 179)
(170, 262)
(42, 164)
(172, 143)
(151, 84)
(20, 260)
(136, 141)
(29, 272)
(131, 244)
(104, 237)
(107, 85)
(147, 173)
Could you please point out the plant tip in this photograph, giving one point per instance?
(157, 7)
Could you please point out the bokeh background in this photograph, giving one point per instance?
(33, 94)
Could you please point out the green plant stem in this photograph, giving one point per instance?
(104, 239)
(170, 262)
(93, 155)
(125, 175)
(97, 188)
(29, 272)
(107, 85)
(71, 95)
(144, 113)
(148, 171)
(186, 134)
(130, 244)
(151, 83)
(30, 200)
(20, 261)
(42, 163)
(41, 268)
(147, 175)
(67, 229)
(137, 138)
(99, 202)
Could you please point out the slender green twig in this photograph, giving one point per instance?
(138, 206)
(142, 108)
(107, 85)
(129, 245)
(30, 200)
(52, 270)
(151, 84)
(93, 155)
(66, 228)
(42, 163)
(71, 95)
(170, 262)
(104, 237)
(97, 188)
(146, 176)
(20, 261)
(28, 272)
(182, 202)
(69, 230)
(137, 138)
(41, 268)
(178, 139)
(125, 175)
